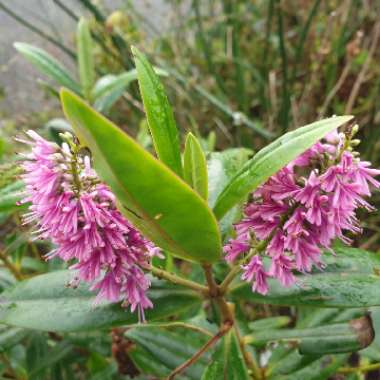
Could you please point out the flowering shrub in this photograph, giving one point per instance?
(118, 215)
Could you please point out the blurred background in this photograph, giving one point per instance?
(237, 73)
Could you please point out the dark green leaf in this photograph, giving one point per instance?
(319, 369)
(85, 59)
(271, 159)
(159, 114)
(326, 339)
(194, 166)
(46, 303)
(227, 362)
(48, 65)
(159, 203)
(163, 351)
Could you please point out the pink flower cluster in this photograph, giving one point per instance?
(300, 210)
(78, 213)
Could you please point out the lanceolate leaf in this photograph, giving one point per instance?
(333, 338)
(227, 362)
(110, 88)
(271, 159)
(85, 58)
(194, 166)
(159, 352)
(48, 65)
(159, 114)
(46, 303)
(159, 203)
(110, 83)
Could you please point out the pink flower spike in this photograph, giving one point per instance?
(302, 209)
(83, 222)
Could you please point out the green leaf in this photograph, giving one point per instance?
(159, 203)
(86, 66)
(351, 280)
(326, 339)
(109, 88)
(194, 166)
(269, 323)
(221, 168)
(46, 303)
(271, 159)
(319, 369)
(159, 114)
(48, 65)
(110, 83)
(10, 195)
(160, 352)
(227, 362)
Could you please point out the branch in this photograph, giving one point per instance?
(12, 268)
(224, 329)
(237, 267)
(171, 277)
(365, 368)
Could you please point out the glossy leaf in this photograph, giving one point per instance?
(271, 159)
(326, 339)
(194, 166)
(164, 207)
(46, 303)
(86, 66)
(227, 362)
(48, 65)
(159, 114)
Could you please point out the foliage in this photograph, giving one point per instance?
(184, 195)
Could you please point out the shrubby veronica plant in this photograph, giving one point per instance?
(118, 215)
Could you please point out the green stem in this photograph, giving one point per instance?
(171, 277)
(365, 368)
(237, 267)
(12, 268)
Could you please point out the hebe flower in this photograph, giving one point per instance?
(77, 212)
(300, 210)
